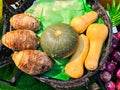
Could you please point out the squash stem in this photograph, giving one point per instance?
(58, 33)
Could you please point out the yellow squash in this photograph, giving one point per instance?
(80, 23)
(75, 67)
(97, 34)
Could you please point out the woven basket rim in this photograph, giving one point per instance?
(73, 83)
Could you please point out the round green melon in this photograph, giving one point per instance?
(59, 40)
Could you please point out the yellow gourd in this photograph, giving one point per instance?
(75, 67)
(80, 23)
(97, 34)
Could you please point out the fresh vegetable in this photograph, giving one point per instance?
(59, 40)
(20, 40)
(118, 73)
(75, 67)
(116, 56)
(110, 85)
(24, 21)
(97, 34)
(118, 35)
(115, 40)
(32, 62)
(111, 66)
(117, 85)
(105, 76)
(80, 23)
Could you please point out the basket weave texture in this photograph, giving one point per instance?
(21, 6)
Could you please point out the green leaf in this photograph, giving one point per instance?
(26, 82)
(108, 7)
(118, 6)
(8, 87)
(113, 4)
(87, 7)
(116, 23)
(114, 13)
(99, 20)
(57, 70)
(8, 72)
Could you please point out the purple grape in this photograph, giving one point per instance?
(115, 40)
(110, 85)
(118, 73)
(116, 55)
(105, 76)
(111, 66)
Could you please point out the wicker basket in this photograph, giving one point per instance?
(21, 6)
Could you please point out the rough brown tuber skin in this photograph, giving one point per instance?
(24, 21)
(21, 40)
(32, 62)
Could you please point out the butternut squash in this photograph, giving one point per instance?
(75, 67)
(97, 34)
(80, 23)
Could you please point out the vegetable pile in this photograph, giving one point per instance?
(55, 48)
(58, 41)
(110, 70)
(24, 41)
